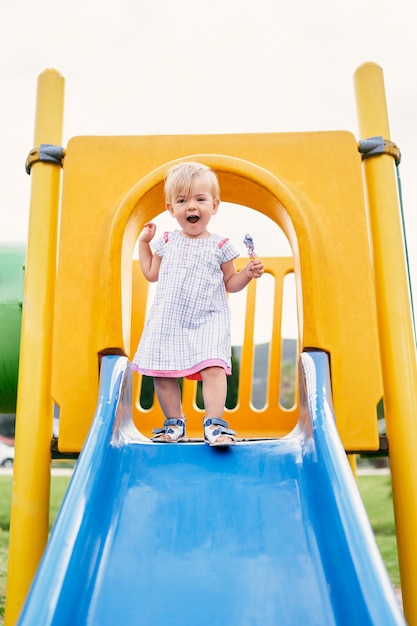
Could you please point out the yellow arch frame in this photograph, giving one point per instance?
(323, 231)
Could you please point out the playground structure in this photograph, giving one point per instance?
(354, 326)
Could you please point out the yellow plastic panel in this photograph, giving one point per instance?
(310, 184)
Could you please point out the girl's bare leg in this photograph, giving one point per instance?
(214, 390)
(214, 394)
(169, 397)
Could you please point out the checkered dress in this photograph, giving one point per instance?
(188, 327)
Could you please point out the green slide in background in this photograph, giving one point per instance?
(12, 262)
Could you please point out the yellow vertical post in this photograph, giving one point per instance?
(34, 413)
(395, 328)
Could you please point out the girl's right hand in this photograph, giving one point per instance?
(255, 268)
(148, 232)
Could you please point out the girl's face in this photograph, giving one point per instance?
(193, 211)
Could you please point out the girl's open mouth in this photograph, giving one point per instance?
(193, 219)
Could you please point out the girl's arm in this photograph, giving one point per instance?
(149, 262)
(236, 281)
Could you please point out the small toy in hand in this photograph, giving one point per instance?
(248, 241)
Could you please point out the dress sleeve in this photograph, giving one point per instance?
(159, 246)
(227, 252)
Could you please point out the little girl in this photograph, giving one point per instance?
(187, 333)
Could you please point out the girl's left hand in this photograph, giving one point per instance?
(255, 268)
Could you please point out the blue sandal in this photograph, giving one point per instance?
(212, 435)
(173, 429)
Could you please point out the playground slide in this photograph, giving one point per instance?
(267, 532)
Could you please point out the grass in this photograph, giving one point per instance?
(377, 497)
(375, 491)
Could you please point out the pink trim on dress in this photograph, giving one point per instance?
(192, 373)
(222, 242)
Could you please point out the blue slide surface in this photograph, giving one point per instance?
(266, 532)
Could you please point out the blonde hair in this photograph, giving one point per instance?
(180, 178)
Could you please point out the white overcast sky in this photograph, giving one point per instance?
(160, 67)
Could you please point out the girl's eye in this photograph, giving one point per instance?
(180, 200)
(201, 199)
